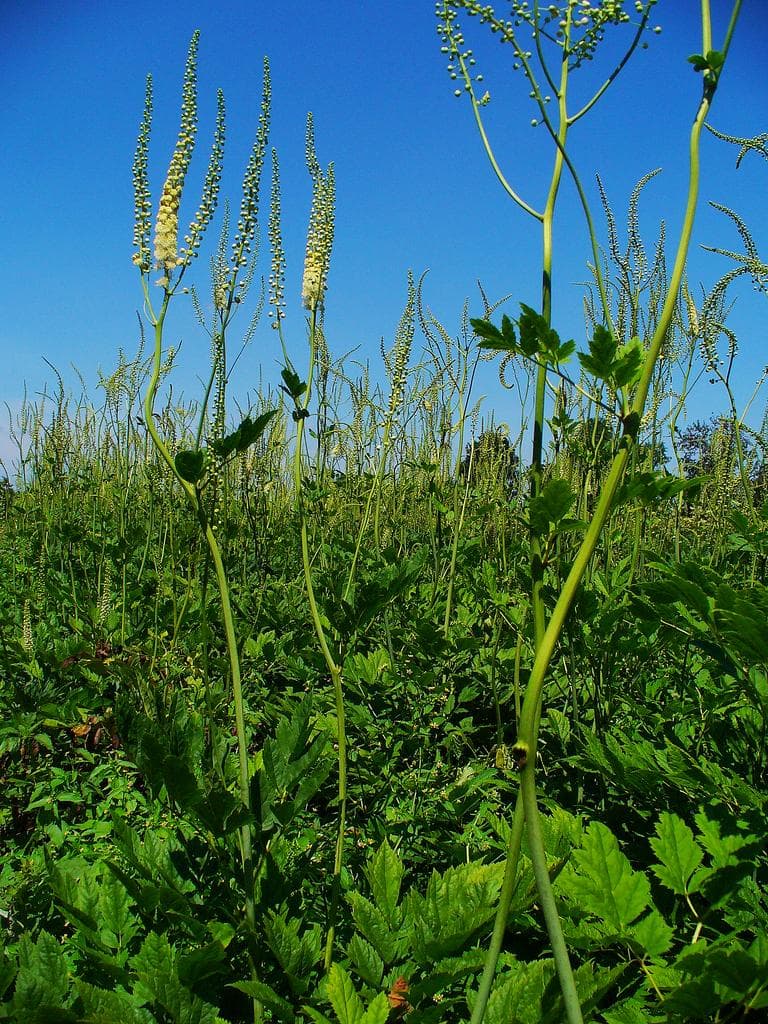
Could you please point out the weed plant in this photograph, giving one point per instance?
(365, 706)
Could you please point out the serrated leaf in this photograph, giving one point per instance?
(385, 875)
(200, 963)
(628, 363)
(678, 852)
(292, 384)
(533, 331)
(316, 1016)
(602, 882)
(247, 434)
(631, 1012)
(735, 971)
(552, 505)
(378, 1010)
(372, 925)
(115, 908)
(653, 933)
(346, 1003)
(516, 995)
(599, 360)
(564, 352)
(455, 905)
(366, 961)
(103, 1007)
(492, 338)
(190, 465)
(42, 979)
(155, 966)
(280, 1007)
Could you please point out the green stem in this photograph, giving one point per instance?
(246, 837)
(546, 898)
(333, 669)
(526, 746)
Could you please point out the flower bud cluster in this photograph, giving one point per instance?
(210, 196)
(167, 223)
(321, 227)
(27, 638)
(578, 26)
(247, 220)
(142, 202)
(277, 272)
(402, 351)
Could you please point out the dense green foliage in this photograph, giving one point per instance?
(362, 708)
(121, 877)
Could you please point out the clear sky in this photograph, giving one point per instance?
(414, 189)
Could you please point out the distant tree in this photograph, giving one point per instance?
(492, 456)
(695, 447)
(709, 447)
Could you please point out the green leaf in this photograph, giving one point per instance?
(678, 852)
(200, 963)
(722, 849)
(630, 1012)
(655, 486)
(455, 905)
(346, 1003)
(628, 364)
(602, 353)
(115, 912)
(602, 882)
(292, 384)
(180, 782)
(378, 1010)
(372, 925)
(247, 434)
(494, 339)
(517, 993)
(190, 465)
(280, 1007)
(563, 352)
(653, 934)
(552, 505)
(316, 1016)
(103, 1007)
(385, 875)
(533, 331)
(42, 982)
(158, 982)
(155, 966)
(296, 947)
(366, 961)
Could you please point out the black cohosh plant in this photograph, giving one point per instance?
(625, 367)
(379, 772)
(198, 470)
(317, 263)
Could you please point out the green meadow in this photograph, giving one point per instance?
(358, 705)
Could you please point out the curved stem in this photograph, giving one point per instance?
(333, 669)
(615, 73)
(246, 836)
(527, 735)
(546, 897)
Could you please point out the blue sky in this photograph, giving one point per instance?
(414, 189)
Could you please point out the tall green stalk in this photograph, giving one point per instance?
(231, 274)
(547, 634)
(316, 267)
